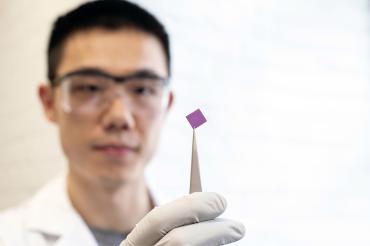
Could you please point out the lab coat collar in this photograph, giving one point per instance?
(51, 213)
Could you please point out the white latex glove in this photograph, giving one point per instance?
(190, 220)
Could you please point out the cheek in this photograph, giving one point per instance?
(150, 130)
(74, 133)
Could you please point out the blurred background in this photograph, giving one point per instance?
(284, 86)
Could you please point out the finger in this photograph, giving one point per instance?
(211, 233)
(194, 208)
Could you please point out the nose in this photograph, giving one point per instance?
(118, 116)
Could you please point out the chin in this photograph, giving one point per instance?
(114, 181)
(119, 172)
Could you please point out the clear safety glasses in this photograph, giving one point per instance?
(90, 91)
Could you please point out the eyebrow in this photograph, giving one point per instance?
(141, 73)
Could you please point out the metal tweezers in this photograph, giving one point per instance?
(195, 182)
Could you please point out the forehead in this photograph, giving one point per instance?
(116, 51)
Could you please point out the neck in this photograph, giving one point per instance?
(109, 207)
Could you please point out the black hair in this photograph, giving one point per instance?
(107, 14)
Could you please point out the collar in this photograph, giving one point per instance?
(50, 210)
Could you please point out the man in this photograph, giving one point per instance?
(108, 67)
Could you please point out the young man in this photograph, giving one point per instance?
(108, 66)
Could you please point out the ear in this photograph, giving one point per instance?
(171, 98)
(47, 99)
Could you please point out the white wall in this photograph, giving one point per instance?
(284, 85)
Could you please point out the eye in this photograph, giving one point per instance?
(145, 87)
(88, 88)
(144, 90)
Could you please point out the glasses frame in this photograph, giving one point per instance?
(144, 74)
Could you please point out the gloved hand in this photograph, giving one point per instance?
(190, 220)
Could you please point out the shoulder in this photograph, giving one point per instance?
(24, 224)
(12, 225)
(13, 215)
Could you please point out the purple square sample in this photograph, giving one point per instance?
(196, 119)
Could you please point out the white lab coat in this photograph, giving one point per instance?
(46, 219)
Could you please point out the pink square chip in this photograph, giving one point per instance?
(196, 119)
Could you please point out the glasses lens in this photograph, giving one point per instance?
(145, 93)
(84, 93)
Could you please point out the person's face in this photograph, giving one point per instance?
(114, 144)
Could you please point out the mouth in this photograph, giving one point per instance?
(115, 150)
